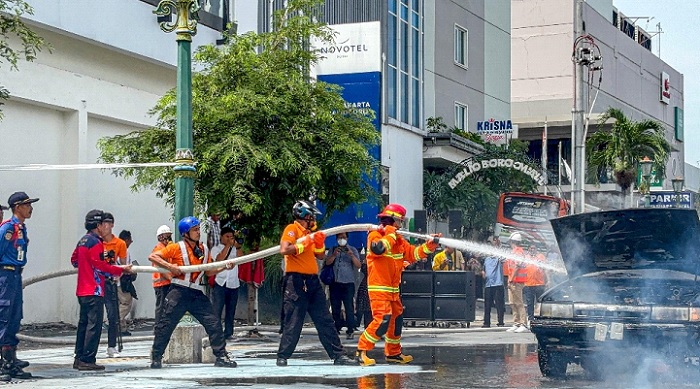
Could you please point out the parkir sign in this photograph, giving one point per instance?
(507, 163)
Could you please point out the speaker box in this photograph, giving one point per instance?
(414, 282)
(417, 307)
(455, 223)
(420, 221)
(456, 308)
(454, 282)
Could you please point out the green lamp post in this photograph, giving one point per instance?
(185, 26)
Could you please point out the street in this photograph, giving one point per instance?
(444, 358)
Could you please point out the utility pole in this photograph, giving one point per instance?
(185, 26)
(579, 170)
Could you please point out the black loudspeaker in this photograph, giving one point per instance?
(420, 221)
(455, 223)
(414, 282)
(452, 282)
(455, 308)
(417, 307)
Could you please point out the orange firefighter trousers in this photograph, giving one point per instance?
(385, 314)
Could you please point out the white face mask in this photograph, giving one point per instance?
(342, 242)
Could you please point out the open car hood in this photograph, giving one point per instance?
(645, 238)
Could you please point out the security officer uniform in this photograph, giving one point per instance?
(13, 257)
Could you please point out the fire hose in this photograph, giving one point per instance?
(449, 242)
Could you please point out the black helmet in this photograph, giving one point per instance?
(93, 218)
(303, 208)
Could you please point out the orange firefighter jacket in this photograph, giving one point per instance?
(160, 279)
(384, 271)
(535, 274)
(516, 270)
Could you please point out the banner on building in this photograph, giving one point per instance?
(667, 199)
(357, 49)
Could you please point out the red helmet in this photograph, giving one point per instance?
(396, 211)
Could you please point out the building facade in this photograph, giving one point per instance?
(634, 80)
(97, 81)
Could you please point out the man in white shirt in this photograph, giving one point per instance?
(225, 290)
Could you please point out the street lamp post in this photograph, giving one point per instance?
(677, 184)
(185, 26)
(646, 164)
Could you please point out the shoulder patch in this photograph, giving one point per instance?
(8, 235)
(290, 233)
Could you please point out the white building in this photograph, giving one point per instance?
(109, 64)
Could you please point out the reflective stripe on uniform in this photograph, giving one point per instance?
(370, 337)
(392, 340)
(379, 288)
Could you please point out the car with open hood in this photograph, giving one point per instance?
(632, 292)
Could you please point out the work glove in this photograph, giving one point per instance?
(432, 244)
(306, 244)
(319, 239)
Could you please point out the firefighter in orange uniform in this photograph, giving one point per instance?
(385, 262)
(161, 281)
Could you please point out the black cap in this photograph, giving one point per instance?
(93, 218)
(18, 198)
(108, 217)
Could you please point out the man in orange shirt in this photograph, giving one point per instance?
(161, 281)
(186, 294)
(534, 285)
(115, 254)
(517, 275)
(385, 263)
(303, 292)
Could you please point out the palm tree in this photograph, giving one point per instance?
(625, 145)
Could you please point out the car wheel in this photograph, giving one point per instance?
(552, 363)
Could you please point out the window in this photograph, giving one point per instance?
(404, 61)
(461, 46)
(461, 116)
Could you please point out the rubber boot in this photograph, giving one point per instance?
(363, 359)
(399, 358)
(225, 361)
(9, 367)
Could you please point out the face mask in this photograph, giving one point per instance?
(342, 242)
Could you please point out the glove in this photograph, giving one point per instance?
(306, 244)
(432, 244)
(319, 239)
(389, 230)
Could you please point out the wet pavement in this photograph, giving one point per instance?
(444, 358)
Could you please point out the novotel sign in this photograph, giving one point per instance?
(508, 163)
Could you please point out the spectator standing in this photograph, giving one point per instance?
(474, 265)
(534, 285)
(363, 310)
(345, 260)
(13, 257)
(494, 293)
(89, 258)
(449, 259)
(126, 291)
(213, 230)
(186, 294)
(161, 281)
(225, 291)
(517, 276)
(303, 292)
(115, 253)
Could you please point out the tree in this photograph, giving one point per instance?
(627, 142)
(11, 28)
(264, 134)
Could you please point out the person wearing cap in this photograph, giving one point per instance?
(89, 258)
(161, 281)
(115, 254)
(127, 290)
(13, 257)
(186, 294)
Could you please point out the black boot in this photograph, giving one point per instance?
(225, 361)
(9, 366)
(18, 362)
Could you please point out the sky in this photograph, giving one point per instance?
(680, 46)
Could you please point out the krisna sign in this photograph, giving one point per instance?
(494, 131)
(507, 163)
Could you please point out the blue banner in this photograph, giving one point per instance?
(667, 199)
(361, 91)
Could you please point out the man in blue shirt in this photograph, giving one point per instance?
(13, 257)
(494, 294)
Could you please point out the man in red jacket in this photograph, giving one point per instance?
(88, 257)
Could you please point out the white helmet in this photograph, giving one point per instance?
(163, 230)
(516, 237)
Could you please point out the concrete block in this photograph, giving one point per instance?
(185, 344)
(207, 353)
